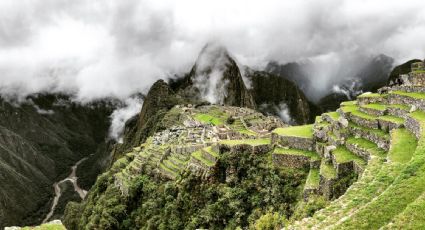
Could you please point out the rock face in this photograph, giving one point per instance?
(278, 96)
(158, 101)
(216, 78)
(39, 141)
(399, 70)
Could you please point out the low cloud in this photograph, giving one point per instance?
(95, 49)
(130, 108)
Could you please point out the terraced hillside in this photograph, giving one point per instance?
(360, 167)
(382, 135)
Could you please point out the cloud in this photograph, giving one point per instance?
(131, 107)
(97, 48)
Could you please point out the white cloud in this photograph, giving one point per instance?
(119, 117)
(115, 48)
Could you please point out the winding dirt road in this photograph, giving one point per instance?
(73, 179)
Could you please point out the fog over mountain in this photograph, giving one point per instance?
(95, 49)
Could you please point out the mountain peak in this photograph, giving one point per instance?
(217, 79)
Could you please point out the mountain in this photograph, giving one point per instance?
(216, 78)
(346, 82)
(157, 102)
(278, 96)
(40, 139)
(217, 167)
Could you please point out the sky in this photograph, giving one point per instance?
(104, 48)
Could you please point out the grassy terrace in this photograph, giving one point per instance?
(377, 132)
(371, 147)
(394, 119)
(402, 107)
(372, 95)
(418, 115)
(403, 145)
(343, 155)
(313, 179)
(168, 169)
(211, 152)
(214, 116)
(379, 107)
(46, 227)
(333, 115)
(310, 154)
(349, 108)
(253, 142)
(357, 113)
(412, 95)
(406, 188)
(198, 155)
(327, 170)
(305, 131)
(348, 103)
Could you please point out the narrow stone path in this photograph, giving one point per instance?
(73, 179)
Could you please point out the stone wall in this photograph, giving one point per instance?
(369, 123)
(374, 112)
(371, 100)
(293, 142)
(291, 161)
(254, 149)
(326, 187)
(413, 126)
(381, 141)
(416, 78)
(405, 100)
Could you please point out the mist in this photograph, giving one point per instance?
(96, 49)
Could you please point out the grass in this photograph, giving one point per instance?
(305, 131)
(310, 154)
(327, 170)
(198, 156)
(379, 107)
(377, 132)
(253, 142)
(348, 103)
(371, 95)
(403, 145)
(333, 115)
(412, 95)
(393, 119)
(166, 168)
(209, 119)
(46, 227)
(349, 108)
(313, 179)
(371, 147)
(418, 115)
(363, 115)
(402, 107)
(418, 71)
(211, 152)
(343, 155)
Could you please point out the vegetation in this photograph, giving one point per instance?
(305, 131)
(257, 193)
(310, 154)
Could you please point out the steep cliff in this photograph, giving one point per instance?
(278, 96)
(216, 78)
(39, 140)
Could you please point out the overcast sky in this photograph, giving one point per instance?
(115, 48)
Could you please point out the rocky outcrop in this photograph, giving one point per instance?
(274, 94)
(158, 101)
